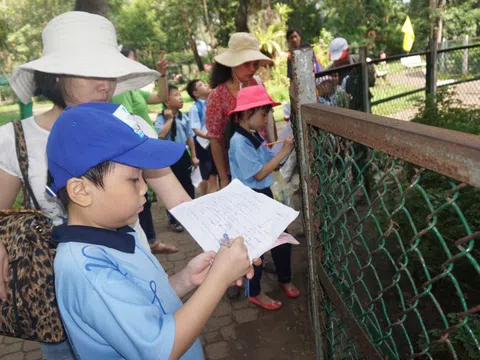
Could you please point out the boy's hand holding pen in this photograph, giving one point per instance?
(232, 263)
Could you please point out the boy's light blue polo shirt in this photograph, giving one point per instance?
(247, 155)
(197, 114)
(115, 299)
(184, 128)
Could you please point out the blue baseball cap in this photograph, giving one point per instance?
(88, 134)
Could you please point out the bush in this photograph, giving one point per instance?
(448, 112)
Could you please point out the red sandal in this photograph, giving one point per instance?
(275, 306)
(294, 293)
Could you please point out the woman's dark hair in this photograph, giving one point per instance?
(290, 31)
(51, 86)
(235, 118)
(191, 88)
(96, 175)
(126, 51)
(220, 74)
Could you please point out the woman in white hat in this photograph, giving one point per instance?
(233, 69)
(81, 63)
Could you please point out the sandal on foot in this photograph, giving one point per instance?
(293, 293)
(160, 248)
(274, 306)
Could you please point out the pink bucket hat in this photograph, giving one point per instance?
(252, 97)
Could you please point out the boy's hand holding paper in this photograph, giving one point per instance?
(235, 211)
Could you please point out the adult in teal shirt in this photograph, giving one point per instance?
(136, 101)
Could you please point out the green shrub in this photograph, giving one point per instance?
(448, 112)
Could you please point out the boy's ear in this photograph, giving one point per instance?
(79, 191)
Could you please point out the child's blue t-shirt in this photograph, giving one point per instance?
(247, 155)
(184, 128)
(115, 299)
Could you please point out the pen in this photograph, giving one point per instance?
(275, 142)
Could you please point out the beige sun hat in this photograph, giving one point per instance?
(81, 44)
(242, 47)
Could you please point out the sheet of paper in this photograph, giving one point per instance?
(236, 210)
(196, 176)
(284, 238)
(287, 131)
(202, 141)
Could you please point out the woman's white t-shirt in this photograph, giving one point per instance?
(36, 140)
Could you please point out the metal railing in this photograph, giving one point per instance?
(398, 84)
(391, 210)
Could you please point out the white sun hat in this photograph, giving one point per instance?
(81, 44)
(242, 47)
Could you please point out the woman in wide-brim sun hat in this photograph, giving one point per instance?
(233, 69)
(81, 44)
(81, 63)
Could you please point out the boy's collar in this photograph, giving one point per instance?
(177, 115)
(254, 138)
(120, 239)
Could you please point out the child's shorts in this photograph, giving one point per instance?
(207, 165)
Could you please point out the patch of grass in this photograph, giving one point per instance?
(8, 116)
(385, 90)
(187, 104)
(11, 112)
(400, 104)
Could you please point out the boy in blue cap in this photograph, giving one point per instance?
(115, 299)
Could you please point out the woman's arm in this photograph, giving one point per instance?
(10, 188)
(162, 179)
(219, 159)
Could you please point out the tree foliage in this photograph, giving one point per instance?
(174, 27)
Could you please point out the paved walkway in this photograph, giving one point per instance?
(237, 330)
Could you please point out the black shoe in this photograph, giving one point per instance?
(233, 292)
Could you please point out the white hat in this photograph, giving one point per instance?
(338, 48)
(81, 44)
(242, 47)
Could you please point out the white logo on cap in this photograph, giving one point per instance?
(123, 114)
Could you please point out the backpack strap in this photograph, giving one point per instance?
(22, 157)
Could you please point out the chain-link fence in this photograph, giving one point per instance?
(398, 85)
(394, 215)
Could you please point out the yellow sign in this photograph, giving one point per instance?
(408, 35)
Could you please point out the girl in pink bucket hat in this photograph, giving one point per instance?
(252, 162)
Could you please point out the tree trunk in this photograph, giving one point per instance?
(99, 7)
(241, 19)
(207, 23)
(197, 57)
(193, 44)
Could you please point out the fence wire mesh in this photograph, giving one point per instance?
(398, 85)
(398, 244)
